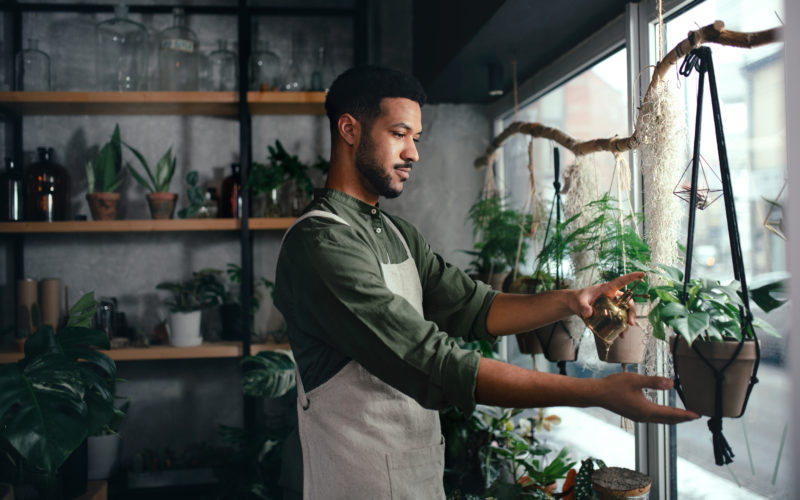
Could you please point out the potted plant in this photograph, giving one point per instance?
(103, 446)
(709, 324)
(159, 199)
(496, 229)
(231, 310)
(197, 199)
(189, 298)
(297, 187)
(104, 176)
(264, 182)
(52, 399)
(621, 250)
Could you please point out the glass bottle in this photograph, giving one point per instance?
(323, 74)
(120, 53)
(292, 76)
(265, 68)
(13, 192)
(177, 55)
(33, 68)
(47, 184)
(231, 205)
(223, 73)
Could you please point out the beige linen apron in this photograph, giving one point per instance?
(362, 438)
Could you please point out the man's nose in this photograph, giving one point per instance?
(410, 153)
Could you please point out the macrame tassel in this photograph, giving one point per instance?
(723, 453)
(562, 367)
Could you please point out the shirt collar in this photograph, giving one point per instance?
(344, 198)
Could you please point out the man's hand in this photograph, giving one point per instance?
(585, 297)
(622, 394)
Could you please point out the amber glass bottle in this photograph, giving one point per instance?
(231, 202)
(47, 185)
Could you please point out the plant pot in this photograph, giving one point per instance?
(103, 205)
(103, 455)
(184, 329)
(265, 204)
(627, 348)
(557, 342)
(494, 280)
(697, 379)
(528, 343)
(162, 205)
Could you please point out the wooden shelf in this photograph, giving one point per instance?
(206, 350)
(161, 103)
(144, 225)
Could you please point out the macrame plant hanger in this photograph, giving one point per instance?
(700, 60)
(556, 205)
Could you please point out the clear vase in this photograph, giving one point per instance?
(33, 68)
(120, 53)
(323, 74)
(177, 56)
(292, 77)
(265, 68)
(222, 68)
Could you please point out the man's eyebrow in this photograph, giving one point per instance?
(406, 126)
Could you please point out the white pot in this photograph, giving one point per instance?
(184, 329)
(103, 455)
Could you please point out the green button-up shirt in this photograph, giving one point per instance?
(330, 289)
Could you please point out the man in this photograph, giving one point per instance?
(370, 310)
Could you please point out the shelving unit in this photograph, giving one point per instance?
(161, 103)
(145, 225)
(206, 350)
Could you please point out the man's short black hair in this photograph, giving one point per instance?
(359, 91)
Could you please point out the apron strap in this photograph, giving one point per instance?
(313, 213)
(301, 391)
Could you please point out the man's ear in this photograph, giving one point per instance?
(349, 129)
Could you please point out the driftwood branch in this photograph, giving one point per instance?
(713, 33)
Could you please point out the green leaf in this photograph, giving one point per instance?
(90, 179)
(672, 273)
(271, 374)
(765, 327)
(698, 323)
(81, 313)
(150, 186)
(655, 319)
(763, 295)
(672, 310)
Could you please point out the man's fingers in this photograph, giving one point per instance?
(669, 415)
(620, 282)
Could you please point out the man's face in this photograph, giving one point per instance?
(387, 148)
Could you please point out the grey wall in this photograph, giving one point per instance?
(175, 403)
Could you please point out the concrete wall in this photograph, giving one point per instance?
(176, 403)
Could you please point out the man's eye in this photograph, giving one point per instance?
(416, 139)
(399, 135)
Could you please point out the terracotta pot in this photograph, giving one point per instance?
(627, 348)
(557, 343)
(162, 205)
(103, 205)
(494, 280)
(697, 379)
(528, 343)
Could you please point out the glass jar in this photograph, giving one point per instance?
(177, 55)
(33, 68)
(323, 74)
(292, 77)
(265, 68)
(223, 73)
(13, 187)
(120, 53)
(231, 204)
(47, 184)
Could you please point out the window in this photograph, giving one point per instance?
(752, 106)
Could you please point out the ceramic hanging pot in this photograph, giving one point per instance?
(557, 342)
(627, 348)
(528, 343)
(697, 378)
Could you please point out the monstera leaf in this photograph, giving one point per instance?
(59, 393)
(271, 374)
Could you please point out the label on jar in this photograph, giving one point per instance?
(180, 44)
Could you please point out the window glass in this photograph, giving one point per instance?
(591, 105)
(751, 91)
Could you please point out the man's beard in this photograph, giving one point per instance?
(371, 171)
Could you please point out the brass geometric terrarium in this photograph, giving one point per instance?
(706, 193)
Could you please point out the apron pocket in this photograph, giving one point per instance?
(417, 474)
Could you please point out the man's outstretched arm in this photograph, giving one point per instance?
(502, 384)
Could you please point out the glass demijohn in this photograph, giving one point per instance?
(33, 68)
(323, 75)
(47, 183)
(177, 56)
(222, 69)
(265, 68)
(120, 53)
